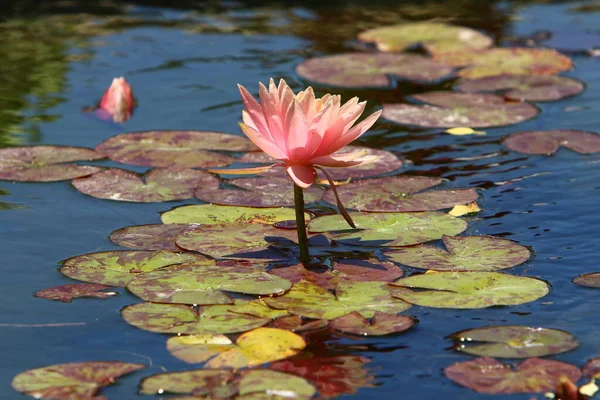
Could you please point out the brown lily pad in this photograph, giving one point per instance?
(592, 368)
(296, 323)
(589, 280)
(66, 293)
(45, 163)
(381, 324)
(548, 142)
(534, 375)
(151, 237)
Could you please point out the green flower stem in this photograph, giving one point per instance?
(301, 224)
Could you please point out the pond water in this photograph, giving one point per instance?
(183, 64)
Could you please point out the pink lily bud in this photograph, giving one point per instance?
(118, 100)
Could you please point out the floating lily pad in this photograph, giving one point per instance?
(448, 109)
(548, 142)
(396, 194)
(182, 319)
(66, 293)
(150, 237)
(512, 61)
(45, 163)
(215, 214)
(275, 384)
(592, 368)
(257, 308)
(466, 253)
(590, 280)
(312, 301)
(80, 380)
(513, 341)
(118, 267)
(469, 289)
(381, 324)
(356, 70)
(434, 37)
(188, 149)
(204, 284)
(295, 323)
(388, 229)
(217, 383)
(534, 375)
(525, 87)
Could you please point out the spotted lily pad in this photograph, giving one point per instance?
(534, 375)
(548, 142)
(204, 284)
(525, 87)
(397, 194)
(592, 368)
(590, 280)
(469, 289)
(45, 163)
(296, 323)
(187, 149)
(66, 293)
(466, 253)
(274, 384)
(150, 237)
(388, 229)
(80, 380)
(216, 214)
(435, 37)
(512, 61)
(118, 267)
(381, 324)
(448, 110)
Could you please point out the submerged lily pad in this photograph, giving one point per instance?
(68, 292)
(548, 142)
(356, 70)
(381, 324)
(590, 280)
(449, 109)
(45, 163)
(150, 237)
(187, 149)
(435, 37)
(525, 87)
(388, 229)
(466, 253)
(216, 214)
(592, 368)
(80, 380)
(469, 289)
(513, 341)
(534, 375)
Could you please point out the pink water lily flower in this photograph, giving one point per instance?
(118, 101)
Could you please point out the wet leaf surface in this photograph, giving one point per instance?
(296, 323)
(381, 324)
(534, 375)
(469, 289)
(81, 380)
(450, 109)
(274, 384)
(513, 341)
(590, 280)
(68, 292)
(217, 383)
(464, 253)
(151, 237)
(592, 368)
(45, 163)
(460, 210)
(548, 142)
(216, 214)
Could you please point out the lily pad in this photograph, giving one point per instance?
(466, 253)
(534, 375)
(45, 163)
(216, 214)
(513, 341)
(312, 301)
(592, 368)
(275, 384)
(356, 70)
(80, 380)
(296, 323)
(381, 324)
(150, 237)
(524, 87)
(469, 289)
(388, 229)
(512, 61)
(397, 194)
(204, 284)
(217, 383)
(187, 149)
(155, 186)
(118, 267)
(436, 38)
(548, 142)
(448, 110)
(66, 293)
(257, 308)
(590, 280)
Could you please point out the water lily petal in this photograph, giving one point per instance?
(356, 131)
(254, 111)
(301, 175)
(272, 113)
(263, 142)
(297, 131)
(344, 160)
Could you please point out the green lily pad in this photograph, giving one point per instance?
(257, 308)
(215, 214)
(464, 253)
(388, 229)
(397, 194)
(45, 163)
(217, 383)
(524, 87)
(80, 380)
(592, 368)
(356, 70)
(118, 267)
(434, 37)
(534, 375)
(66, 293)
(448, 110)
(312, 301)
(548, 142)
(513, 341)
(150, 237)
(186, 149)
(204, 284)
(469, 289)
(381, 324)
(589, 280)
(275, 384)
(511, 61)
(182, 319)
